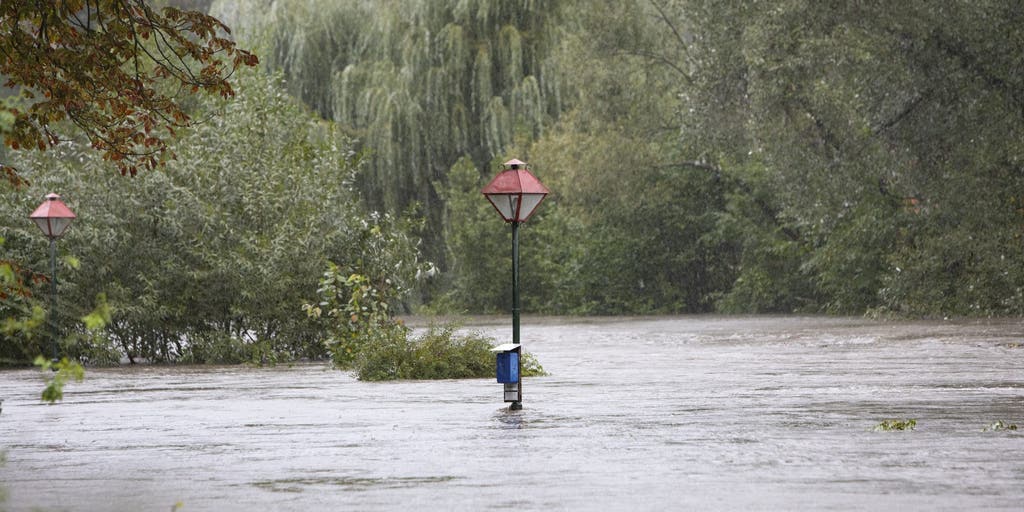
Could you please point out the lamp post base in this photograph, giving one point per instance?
(516, 406)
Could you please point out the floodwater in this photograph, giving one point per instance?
(688, 413)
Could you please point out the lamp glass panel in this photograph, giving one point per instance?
(529, 204)
(44, 225)
(505, 203)
(60, 225)
(53, 227)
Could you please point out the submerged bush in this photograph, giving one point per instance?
(355, 307)
(1000, 425)
(214, 347)
(890, 425)
(439, 353)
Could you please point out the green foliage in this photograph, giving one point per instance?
(356, 309)
(6, 117)
(21, 315)
(789, 156)
(384, 353)
(439, 91)
(220, 248)
(866, 157)
(421, 83)
(891, 157)
(478, 247)
(20, 329)
(770, 275)
(23, 330)
(438, 354)
(91, 344)
(892, 425)
(63, 371)
(1000, 425)
(100, 316)
(361, 309)
(632, 222)
(216, 347)
(357, 299)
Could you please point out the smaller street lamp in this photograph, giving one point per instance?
(53, 217)
(515, 193)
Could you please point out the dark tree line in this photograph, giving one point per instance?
(773, 156)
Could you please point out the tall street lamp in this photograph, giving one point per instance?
(515, 193)
(53, 217)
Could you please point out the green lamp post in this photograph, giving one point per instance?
(53, 217)
(515, 193)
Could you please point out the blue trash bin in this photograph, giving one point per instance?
(508, 367)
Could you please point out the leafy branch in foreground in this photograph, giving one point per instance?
(103, 66)
(64, 371)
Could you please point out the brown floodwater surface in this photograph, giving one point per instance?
(698, 413)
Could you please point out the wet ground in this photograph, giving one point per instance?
(690, 413)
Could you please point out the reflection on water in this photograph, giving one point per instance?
(705, 413)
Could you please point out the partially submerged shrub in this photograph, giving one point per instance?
(363, 334)
(1000, 425)
(356, 298)
(215, 347)
(531, 366)
(94, 348)
(439, 353)
(890, 425)
(383, 354)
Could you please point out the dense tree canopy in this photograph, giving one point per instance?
(889, 136)
(782, 156)
(420, 83)
(772, 156)
(211, 258)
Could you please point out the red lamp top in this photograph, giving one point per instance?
(515, 192)
(53, 216)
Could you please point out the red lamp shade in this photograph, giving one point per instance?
(53, 216)
(515, 192)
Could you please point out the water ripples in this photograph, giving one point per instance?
(709, 413)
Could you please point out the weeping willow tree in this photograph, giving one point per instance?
(420, 83)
